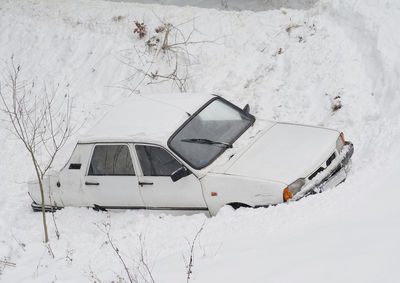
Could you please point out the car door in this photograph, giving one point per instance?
(111, 178)
(156, 186)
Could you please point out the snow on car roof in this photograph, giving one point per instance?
(145, 118)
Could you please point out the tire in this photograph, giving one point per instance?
(237, 205)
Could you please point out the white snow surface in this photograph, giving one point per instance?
(138, 118)
(238, 5)
(289, 65)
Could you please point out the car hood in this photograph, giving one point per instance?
(284, 153)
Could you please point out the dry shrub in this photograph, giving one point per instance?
(140, 30)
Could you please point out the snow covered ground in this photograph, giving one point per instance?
(289, 65)
(238, 5)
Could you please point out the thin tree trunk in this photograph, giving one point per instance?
(46, 234)
(33, 121)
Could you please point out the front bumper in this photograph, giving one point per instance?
(332, 176)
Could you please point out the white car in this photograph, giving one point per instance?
(194, 153)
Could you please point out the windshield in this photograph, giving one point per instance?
(209, 132)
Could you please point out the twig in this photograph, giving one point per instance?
(49, 250)
(7, 263)
(106, 231)
(20, 244)
(172, 43)
(53, 209)
(143, 261)
(93, 276)
(189, 265)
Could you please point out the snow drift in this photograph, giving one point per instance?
(289, 65)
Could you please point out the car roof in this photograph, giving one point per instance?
(145, 118)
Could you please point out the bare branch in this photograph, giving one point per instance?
(39, 120)
(7, 263)
(168, 44)
(143, 261)
(106, 231)
(190, 262)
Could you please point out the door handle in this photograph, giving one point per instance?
(92, 183)
(145, 184)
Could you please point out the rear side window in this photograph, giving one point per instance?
(156, 161)
(111, 160)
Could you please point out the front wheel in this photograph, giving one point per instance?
(237, 205)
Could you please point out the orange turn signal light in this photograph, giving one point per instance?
(214, 194)
(342, 137)
(287, 194)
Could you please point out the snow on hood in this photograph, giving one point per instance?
(285, 153)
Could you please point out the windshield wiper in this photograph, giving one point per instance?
(207, 141)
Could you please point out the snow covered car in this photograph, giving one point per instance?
(194, 153)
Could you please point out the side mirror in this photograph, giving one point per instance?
(246, 108)
(179, 174)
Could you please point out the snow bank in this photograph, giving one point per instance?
(289, 65)
(238, 5)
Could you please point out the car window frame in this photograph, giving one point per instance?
(217, 97)
(111, 143)
(137, 160)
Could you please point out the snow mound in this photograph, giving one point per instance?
(336, 64)
(236, 5)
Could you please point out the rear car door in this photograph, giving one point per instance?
(156, 186)
(111, 178)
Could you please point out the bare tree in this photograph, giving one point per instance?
(141, 272)
(117, 252)
(190, 260)
(165, 56)
(39, 120)
(180, 80)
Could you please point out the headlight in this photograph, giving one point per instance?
(293, 189)
(296, 186)
(340, 142)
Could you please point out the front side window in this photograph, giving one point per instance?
(156, 161)
(111, 160)
(209, 132)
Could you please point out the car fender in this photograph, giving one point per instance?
(222, 189)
